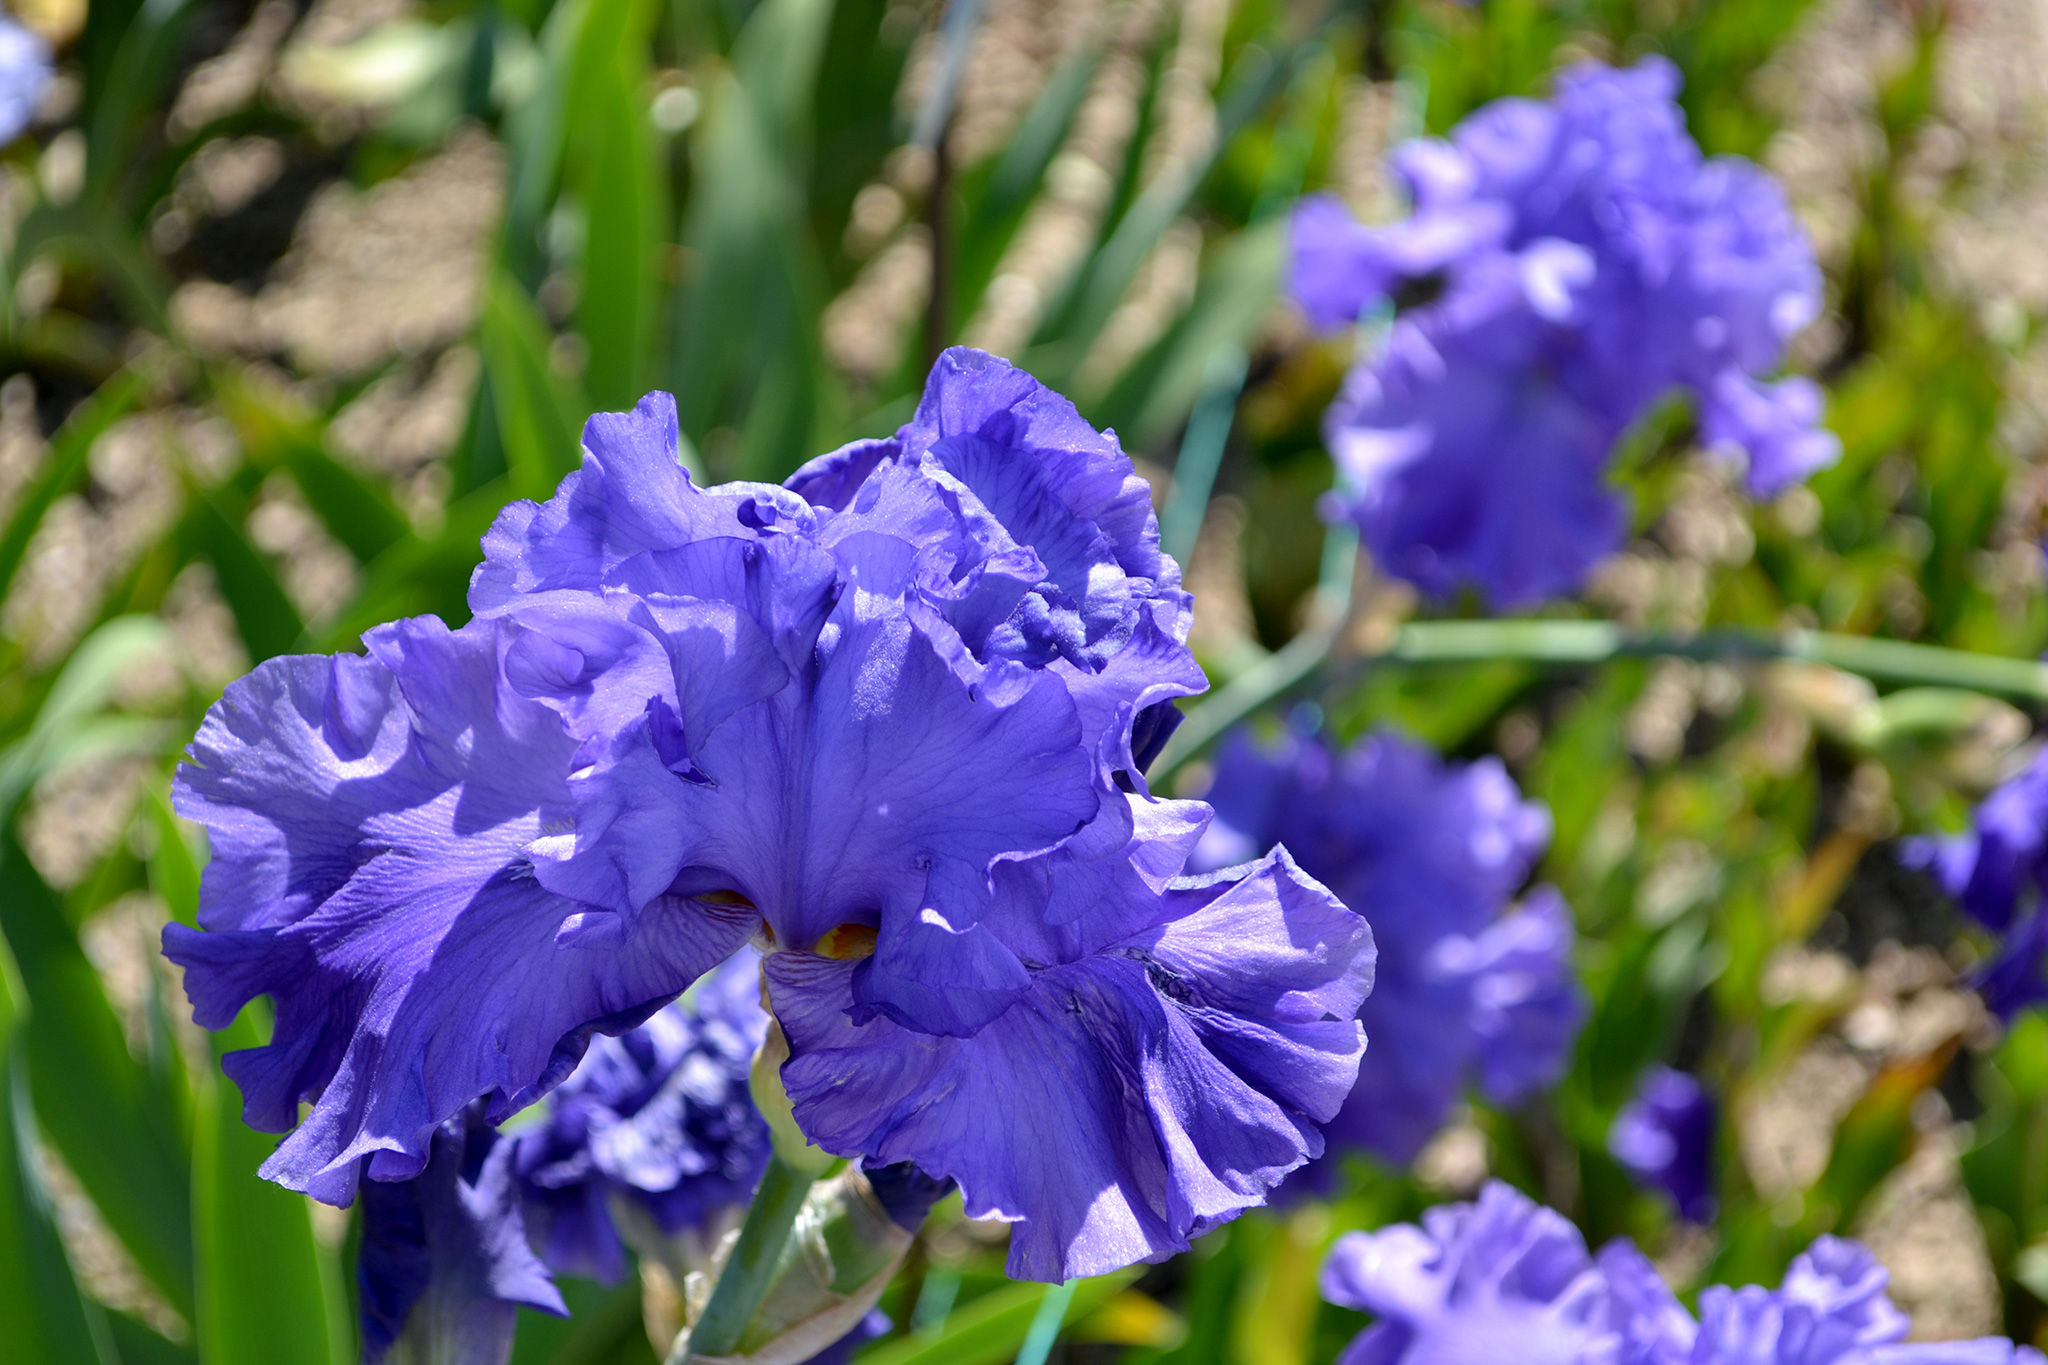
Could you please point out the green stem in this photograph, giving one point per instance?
(744, 1281)
(1201, 454)
(1566, 643)
(1241, 696)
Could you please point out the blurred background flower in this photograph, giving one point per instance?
(299, 294)
(1470, 992)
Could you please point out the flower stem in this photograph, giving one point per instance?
(1567, 643)
(744, 1281)
(1201, 453)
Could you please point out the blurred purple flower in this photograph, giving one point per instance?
(892, 717)
(444, 1263)
(1577, 259)
(1506, 1279)
(1997, 870)
(1665, 1137)
(1830, 1310)
(1497, 1280)
(24, 73)
(1469, 990)
(658, 1120)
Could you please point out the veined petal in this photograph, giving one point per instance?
(397, 924)
(1132, 1098)
(828, 804)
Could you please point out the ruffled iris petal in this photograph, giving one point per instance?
(892, 714)
(371, 819)
(1419, 436)
(1504, 1279)
(1500, 1279)
(1132, 1098)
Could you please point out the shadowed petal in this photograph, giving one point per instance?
(444, 1266)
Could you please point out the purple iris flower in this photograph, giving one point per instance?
(1469, 990)
(1996, 870)
(1665, 1137)
(1502, 1279)
(1830, 1310)
(1565, 264)
(24, 73)
(444, 1264)
(1506, 1279)
(655, 1126)
(890, 719)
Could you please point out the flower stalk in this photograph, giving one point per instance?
(751, 1267)
(1582, 643)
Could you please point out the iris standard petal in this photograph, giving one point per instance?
(631, 495)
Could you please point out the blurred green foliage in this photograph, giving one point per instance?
(688, 189)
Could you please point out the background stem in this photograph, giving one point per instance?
(1594, 642)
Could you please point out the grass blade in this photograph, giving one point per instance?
(1097, 288)
(68, 451)
(48, 1317)
(422, 577)
(539, 419)
(621, 197)
(263, 1295)
(1231, 302)
(80, 689)
(264, 615)
(355, 510)
(112, 1121)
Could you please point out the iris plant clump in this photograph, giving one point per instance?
(888, 720)
(1470, 990)
(1566, 264)
(1506, 1279)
